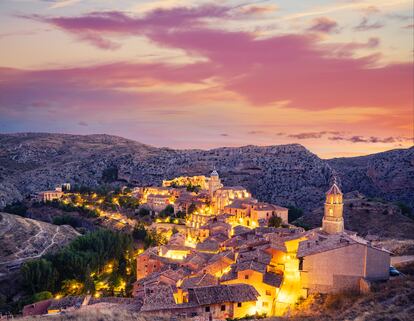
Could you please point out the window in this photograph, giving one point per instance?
(223, 307)
(207, 309)
(268, 292)
(193, 314)
(246, 277)
(265, 304)
(239, 305)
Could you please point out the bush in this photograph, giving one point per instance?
(168, 211)
(405, 210)
(139, 233)
(110, 174)
(17, 208)
(66, 220)
(40, 296)
(294, 213)
(275, 221)
(337, 301)
(143, 212)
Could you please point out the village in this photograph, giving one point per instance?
(226, 255)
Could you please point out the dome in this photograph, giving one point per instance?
(214, 173)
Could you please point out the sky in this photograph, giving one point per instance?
(335, 76)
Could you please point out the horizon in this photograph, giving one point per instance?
(205, 149)
(333, 76)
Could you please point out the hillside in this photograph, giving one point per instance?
(285, 174)
(22, 239)
(388, 175)
(378, 221)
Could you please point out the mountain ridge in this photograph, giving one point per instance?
(284, 174)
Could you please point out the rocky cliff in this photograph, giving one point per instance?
(285, 174)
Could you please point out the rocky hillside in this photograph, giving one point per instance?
(22, 239)
(388, 175)
(286, 174)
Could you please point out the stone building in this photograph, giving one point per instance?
(216, 302)
(333, 259)
(50, 195)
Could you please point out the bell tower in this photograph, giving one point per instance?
(333, 221)
(214, 183)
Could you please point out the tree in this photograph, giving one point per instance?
(110, 174)
(89, 284)
(40, 296)
(275, 221)
(294, 213)
(143, 212)
(39, 275)
(139, 233)
(168, 211)
(17, 208)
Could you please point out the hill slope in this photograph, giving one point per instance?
(286, 174)
(388, 175)
(22, 239)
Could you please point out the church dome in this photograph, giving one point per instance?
(214, 173)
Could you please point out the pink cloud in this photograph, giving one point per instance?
(296, 69)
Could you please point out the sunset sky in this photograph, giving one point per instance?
(334, 76)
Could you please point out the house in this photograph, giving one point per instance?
(216, 302)
(50, 195)
(157, 202)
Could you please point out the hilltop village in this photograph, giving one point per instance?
(235, 256)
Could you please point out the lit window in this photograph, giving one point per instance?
(268, 292)
(265, 304)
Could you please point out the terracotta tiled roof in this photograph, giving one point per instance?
(200, 280)
(251, 265)
(208, 246)
(217, 294)
(273, 279)
(318, 241)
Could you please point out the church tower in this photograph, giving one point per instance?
(214, 183)
(333, 221)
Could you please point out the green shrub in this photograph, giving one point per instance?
(17, 208)
(294, 213)
(275, 221)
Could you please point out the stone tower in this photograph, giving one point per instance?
(214, 183)
(333, 221)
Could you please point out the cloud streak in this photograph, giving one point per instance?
(324, 25)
